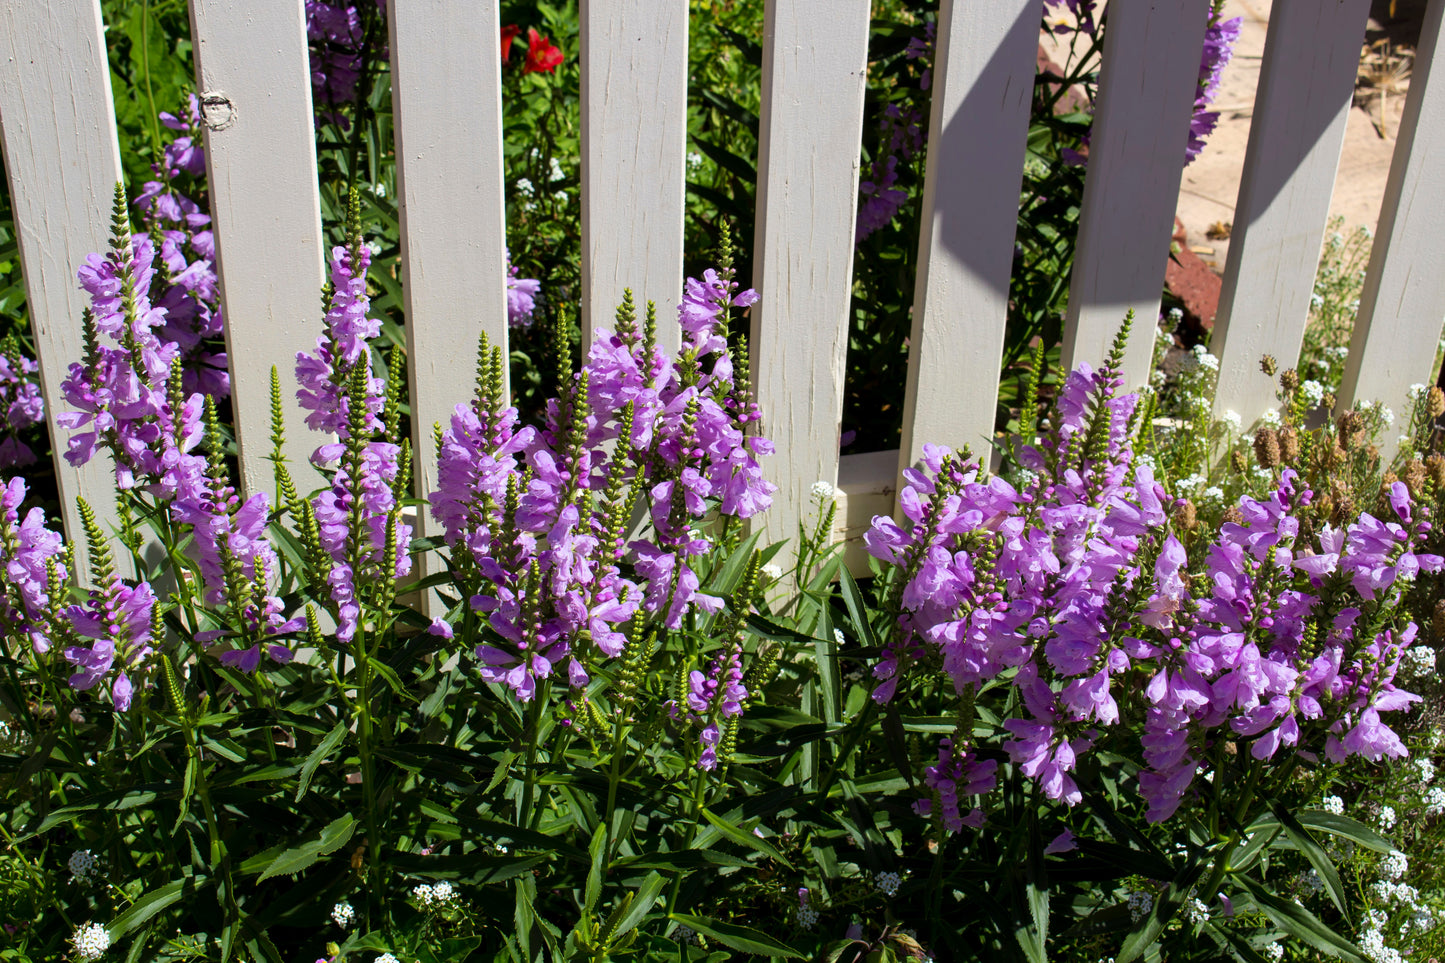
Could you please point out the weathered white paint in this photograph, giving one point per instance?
(255, 87)
(1398, 327)
(815, 55)
(634, 144)
(58, 124)
(1146, 95)
(447, 101)
(1305, 89)
(983, 82)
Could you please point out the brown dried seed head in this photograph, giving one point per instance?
(1233, 514)
(1328, 401)
(1185, 516)
(1437, 624)
(1238, 462)
(1435, 402)
(1289, 444)
(1289, 379)
(1324, 506)
(1344, 512)
(1350, 424)
(1266, 448)
(1268, 365)
(1435, 465)
(1415, 477)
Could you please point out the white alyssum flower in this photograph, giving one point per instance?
(1232, 421)
(887, 883)
(386, 958)
(823, 491)
(90, 941)
(435, 895)
(1270, 418)
(1387, 817)
(343, 914)
(374, 247)
(1425, 770)
(83, 865)
(1196, 912)
(1333, 804)
(807, 917)
(1394, 864)
(1435, 802)
(684, 934)
(1212, 495)
(1274, 951)
(1311, 883)
(1419, 661)
(838, 636)
(1204, 359)
(1140, 903)
(1417, 391)
(772, 572)
(1313, 392)
(524, 186)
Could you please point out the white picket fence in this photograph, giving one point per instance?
(63, 161)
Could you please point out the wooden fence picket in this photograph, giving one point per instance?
(1306, 87)
(1147, 86)
(57, 126)
(255, 88)
(634, 144)
(815, 59)
(1398, 327)
(983, 83)
(447, 104)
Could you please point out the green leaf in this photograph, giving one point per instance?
(152, 903)
(318, 756)
(1316, 854)
(597, 851)
(294, 860)
(1165, 906)
(1300, 923)
(742, 938)
(1346, 828)
(742, 838)
(642, 903)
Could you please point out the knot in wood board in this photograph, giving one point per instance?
(217, 111)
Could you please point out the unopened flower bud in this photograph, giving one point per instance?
(1237, 462)
(1266, 448)
(1289, 445)
(1328, 401)
(1289, 379)
(1268, 365)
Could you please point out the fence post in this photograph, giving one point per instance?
(57, 118)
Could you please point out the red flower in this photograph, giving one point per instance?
(542, 56)
(509, 33)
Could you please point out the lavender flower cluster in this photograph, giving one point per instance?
(538, 520)
(1219, 40)
(902, 132)
(337, 40)
(21, 405)
(1077, 590)
(186, 289)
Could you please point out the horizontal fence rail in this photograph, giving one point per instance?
(62, 159)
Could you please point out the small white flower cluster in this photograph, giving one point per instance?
(1394, 864)
(1311, 883)
(83, 865)
(1435, 801)
(90, 941)
(1213, 495)
(1140, 904)
(1190, 483)
(1418, 661)
(1333, 804)
(1312, 392)
(1199, 357)
(838, 637)
(1425, 770)
(343, 914)
(1271, 418)
(1274, 951)
(772, 572)
(1373, 940)
(807, 917)
(386, 958)
(1417, 391)
(1387, 817)
(684, 935)
(1232, 421)
(1387, 415)
(823, 491)
(435, 896)
(887, 883)
(1196, 912)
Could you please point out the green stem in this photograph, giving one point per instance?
(365, 729)
(145, 66)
